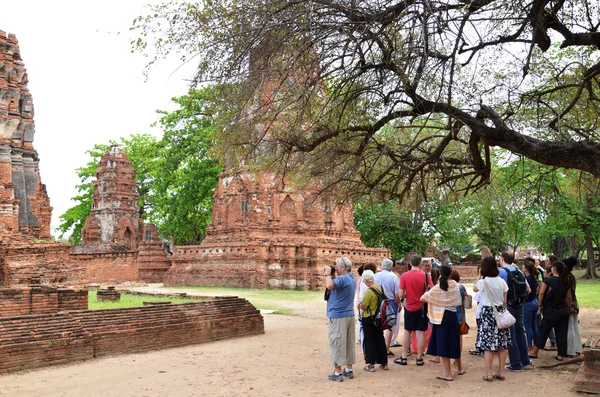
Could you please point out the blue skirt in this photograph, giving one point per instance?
(445, 338)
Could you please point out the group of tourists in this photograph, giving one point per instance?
(510, 301)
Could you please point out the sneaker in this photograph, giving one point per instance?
(508, 367)
(336, 378)
(528, 365)
(348, 374)
(476, 352)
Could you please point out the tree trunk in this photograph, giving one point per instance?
(591, 265)
(572, 245)
(558, 247)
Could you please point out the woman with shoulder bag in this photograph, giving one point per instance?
(374, 342)
(490, 337)
(443, 299)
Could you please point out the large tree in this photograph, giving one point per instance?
(388, 96)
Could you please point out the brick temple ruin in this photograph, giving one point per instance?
(117, 246)
(264, 235)
(43, 323)
(26, 248)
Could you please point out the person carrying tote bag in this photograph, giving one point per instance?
(490, 337)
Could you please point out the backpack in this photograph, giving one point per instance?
(385, 315)
(517, 287)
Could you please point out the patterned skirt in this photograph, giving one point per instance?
(489, 336)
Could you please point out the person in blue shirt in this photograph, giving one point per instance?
(340, 311)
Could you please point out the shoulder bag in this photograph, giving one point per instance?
(503, 319)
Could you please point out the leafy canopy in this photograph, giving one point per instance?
(386, 97)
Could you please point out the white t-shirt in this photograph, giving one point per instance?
(492, 291)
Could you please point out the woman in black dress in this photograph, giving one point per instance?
(555, 302)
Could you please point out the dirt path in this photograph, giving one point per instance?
(290, 359)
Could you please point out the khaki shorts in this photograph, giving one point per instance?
(341, 341)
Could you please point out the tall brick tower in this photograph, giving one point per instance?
(24, 203)
(114, 221)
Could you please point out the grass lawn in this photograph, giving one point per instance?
(588, 291)
(129, 301)
(268, 299)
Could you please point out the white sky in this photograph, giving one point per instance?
(87, 86)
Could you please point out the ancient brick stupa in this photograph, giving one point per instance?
(114, 221)
(263, 233)
(26, 249)
(24, 203)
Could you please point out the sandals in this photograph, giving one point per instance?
(488, 377)
(420, 362)
(461, 372)
(559, 358)
(384, 367)
(401, 361)
(369, 369)
(499, 376)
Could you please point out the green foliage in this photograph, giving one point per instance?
(175, 175)
(391, 226)
(184, 175)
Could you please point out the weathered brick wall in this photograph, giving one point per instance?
(36, 341)
(50, 262)
(29, 342)
(266, 265)
(41, 300)
(163, 326)
(109, 267)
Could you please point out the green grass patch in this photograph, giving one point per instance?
(588, 291)
(128, 300)
(268, 299)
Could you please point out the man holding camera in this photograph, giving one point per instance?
(340, 311)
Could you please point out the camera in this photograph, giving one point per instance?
(328, 292)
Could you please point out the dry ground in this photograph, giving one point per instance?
(290, 359)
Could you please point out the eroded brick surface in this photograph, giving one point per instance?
(35, 341)
(264, 235)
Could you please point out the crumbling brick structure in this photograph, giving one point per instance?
(152, 260)
(113, 249)
(25, 212)
(24, 203)
(35, 341)
(265, 236)
(114, 221)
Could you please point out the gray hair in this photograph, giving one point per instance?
(387, 264)
(415, 260)
(344, 261)
(368, 275)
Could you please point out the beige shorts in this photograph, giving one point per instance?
(341, 341)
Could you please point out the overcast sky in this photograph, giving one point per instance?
(87, 86)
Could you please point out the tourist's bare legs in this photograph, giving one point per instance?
(420, 343)
(502, 354)
(387, 334)
(405, 343)
(488, 357)
(447, 371)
